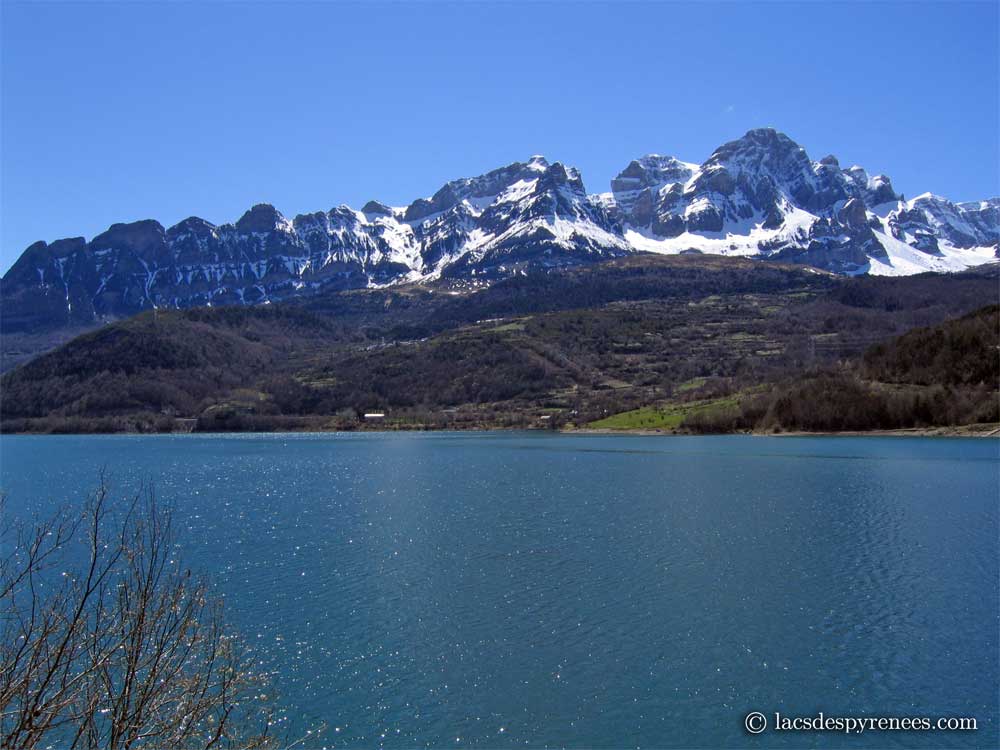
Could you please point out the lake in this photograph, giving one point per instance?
(528, 589)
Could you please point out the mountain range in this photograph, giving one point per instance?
(758, 196)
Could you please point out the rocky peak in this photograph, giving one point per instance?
(880, 190)
(314, 222)
(484, 186)
(341, 216)
(962, 224)
(26, 268)
(260, 219)
(651, 170)
(141, 237)
(66, 247)
(376, 208)
(192, 225)
(762, 152)
(757, 141)
(559, 175)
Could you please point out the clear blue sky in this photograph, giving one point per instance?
(117, 112)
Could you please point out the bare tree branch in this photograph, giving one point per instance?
(125, 649)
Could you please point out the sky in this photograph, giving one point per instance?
(123, 111)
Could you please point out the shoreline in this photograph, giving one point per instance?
(986, 430)
(982, 430)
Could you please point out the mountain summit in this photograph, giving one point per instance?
(762, 196)
(759, 195)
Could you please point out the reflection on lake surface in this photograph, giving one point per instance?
(512, 589)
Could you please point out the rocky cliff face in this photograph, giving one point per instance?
(762, 196)
(759, 196)
(471, 230)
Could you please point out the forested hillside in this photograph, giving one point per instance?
(944, 375)
(542, 350)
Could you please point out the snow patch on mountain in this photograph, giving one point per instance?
(758, 196)
(762, 196)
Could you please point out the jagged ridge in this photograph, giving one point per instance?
(759, 195)
(762, 196)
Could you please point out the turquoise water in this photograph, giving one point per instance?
(512, 589)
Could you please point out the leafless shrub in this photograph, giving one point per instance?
(127, 649)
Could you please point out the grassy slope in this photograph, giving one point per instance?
(667, 416)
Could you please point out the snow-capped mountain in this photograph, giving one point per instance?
(471, 230)
(759, 195)
(762, 196)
